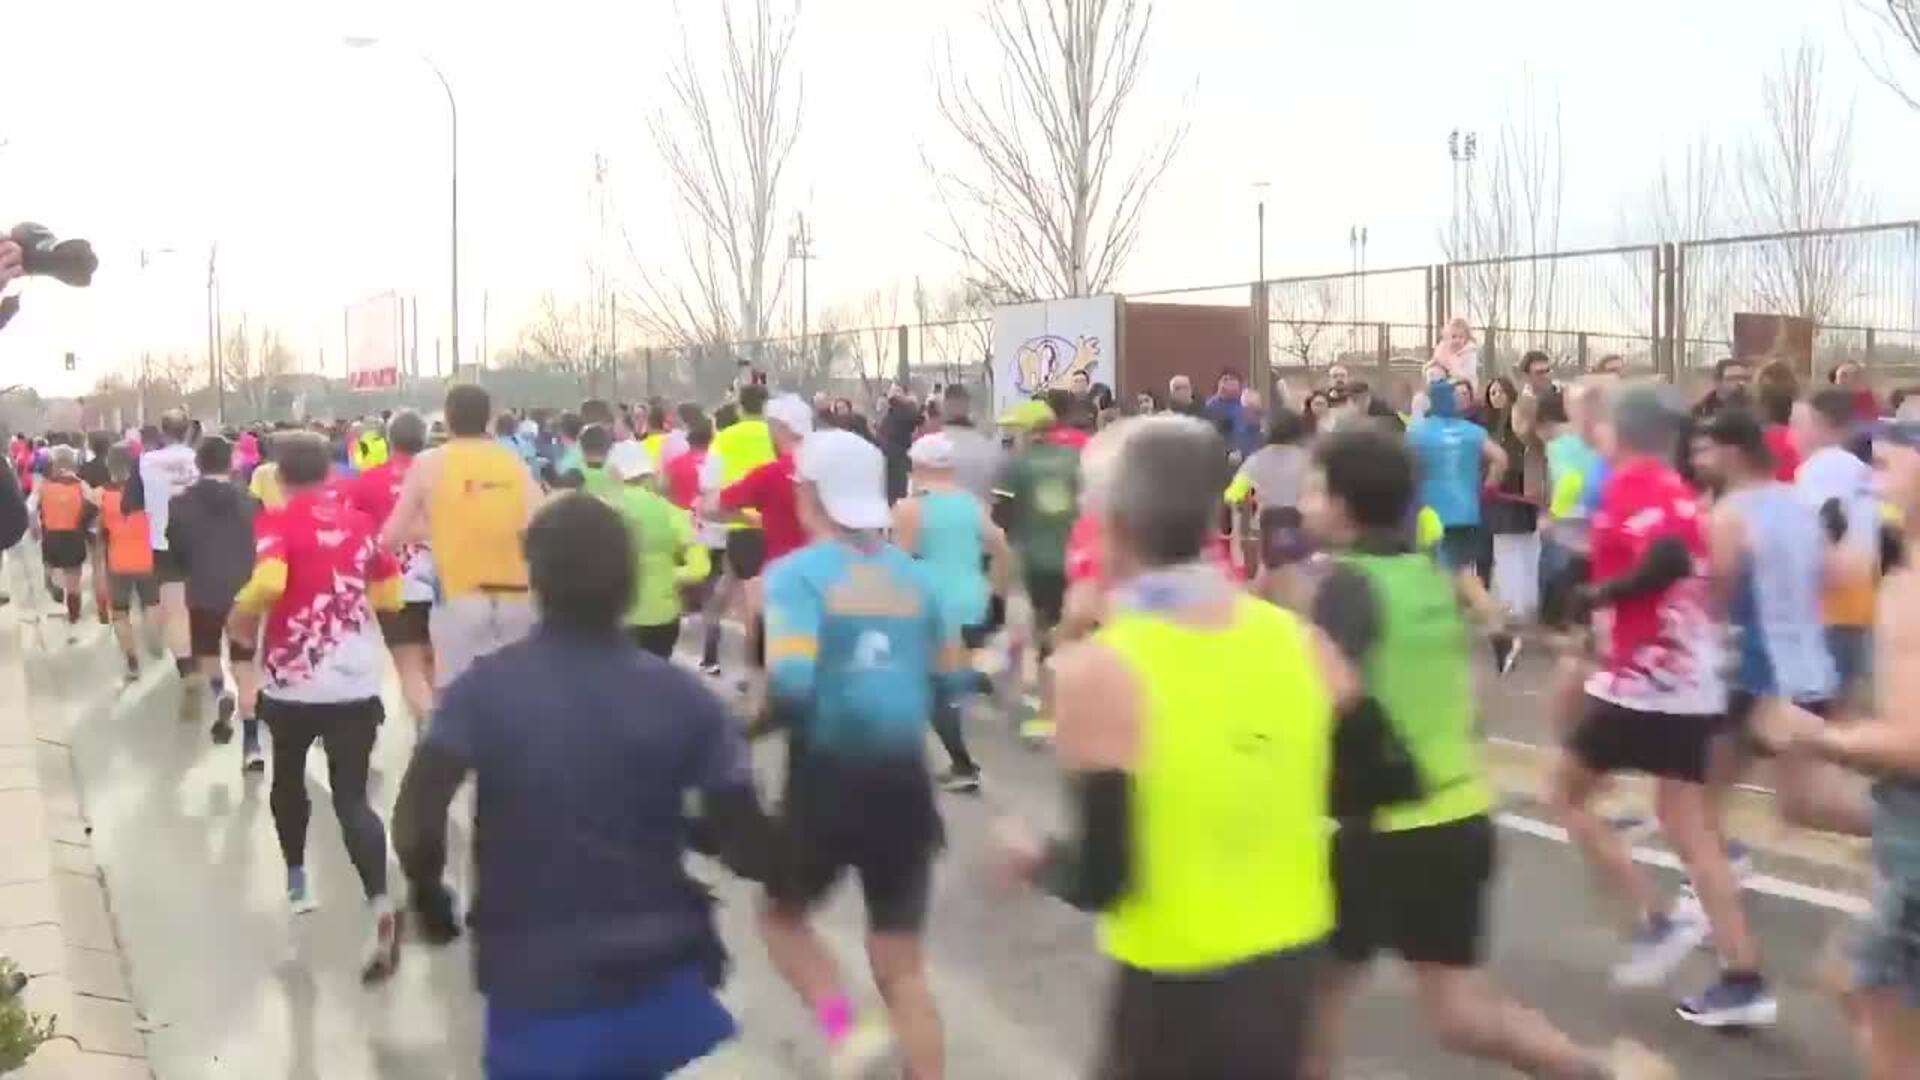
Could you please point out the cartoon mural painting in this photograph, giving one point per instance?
(1040, 346)
(1045, 362)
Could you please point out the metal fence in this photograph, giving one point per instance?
(1665, 308)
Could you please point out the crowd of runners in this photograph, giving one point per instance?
(1246, 626)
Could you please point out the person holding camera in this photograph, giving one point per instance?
(13, 262)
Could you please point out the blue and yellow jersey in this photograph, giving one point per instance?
(855, 643)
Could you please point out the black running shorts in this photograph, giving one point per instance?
(876, 818)
(63, 549)
(659, 639)
(122, 588)
(1419, 893)
(411, 625)
(206, 628)
(1048, 593)
(1613, 738)
(1249, 1020)
(746, 553)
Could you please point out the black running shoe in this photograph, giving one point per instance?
(956, 782)
(223, 720)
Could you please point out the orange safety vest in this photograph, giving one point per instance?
(62, 505)
(129, 548)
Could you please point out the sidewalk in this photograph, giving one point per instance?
(56, 921)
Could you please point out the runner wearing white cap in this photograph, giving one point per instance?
(765, 493)
(667, 550)
(856, 645)
(951, 531)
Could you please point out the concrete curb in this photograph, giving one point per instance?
(56, 920)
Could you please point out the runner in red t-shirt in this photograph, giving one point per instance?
(1655, 705)
(407, 631)
(319, 574)
(770, 489)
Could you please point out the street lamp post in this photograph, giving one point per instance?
(453, 155)
(1260, 217)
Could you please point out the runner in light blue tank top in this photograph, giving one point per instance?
(947, 528)
(1775, 605)
(949, 540)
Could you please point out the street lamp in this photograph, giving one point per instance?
(147, 255)
(453, 156)
(1260, 260)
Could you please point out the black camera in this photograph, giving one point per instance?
(42, 254)
(71, 262)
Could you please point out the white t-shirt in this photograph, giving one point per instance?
(164, 473)
(1833, 472)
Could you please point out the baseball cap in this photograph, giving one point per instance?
(629, 461)
(1027, 414)
(933, 451)
(792, 413)
(850, 476)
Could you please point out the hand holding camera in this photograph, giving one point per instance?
(12, 262)
(32, 250)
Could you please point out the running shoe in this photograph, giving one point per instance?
(957, 782)
(1511, 654)
(1037, 731)
(1732, 1002)
(252, 758)
(223, 719)
(862, 1052)
(710, 669)
(383, 946)
(299, 891)
(1740, 857)
(1659, 945)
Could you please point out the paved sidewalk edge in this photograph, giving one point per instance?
(56, 918)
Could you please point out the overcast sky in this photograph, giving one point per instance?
(321, 171)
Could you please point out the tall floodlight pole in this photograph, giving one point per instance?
(453, 202)
(1462, 148)
(800, 246)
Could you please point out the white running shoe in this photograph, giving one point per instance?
(1659, 946)
(862, 1053)
(383, 944)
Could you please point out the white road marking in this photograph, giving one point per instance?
(1765, 884)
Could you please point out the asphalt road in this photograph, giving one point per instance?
(235, 987)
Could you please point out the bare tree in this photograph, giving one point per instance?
(559, 337)
(1306, 312)
(1042, 208)
(254, 370)
(726, 138)
(1511, 222)
(1796, 177)
(958, 332)
(1894, 27)
(1685, 201)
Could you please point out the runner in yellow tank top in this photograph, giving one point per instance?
(470, 500)
(1202, 800)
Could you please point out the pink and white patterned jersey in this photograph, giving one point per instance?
(321, 642)
(1659, 651)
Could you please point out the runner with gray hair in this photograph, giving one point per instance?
(1217, 972)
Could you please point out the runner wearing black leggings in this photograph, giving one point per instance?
(319, 574)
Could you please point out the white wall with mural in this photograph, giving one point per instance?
(1040, 346)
